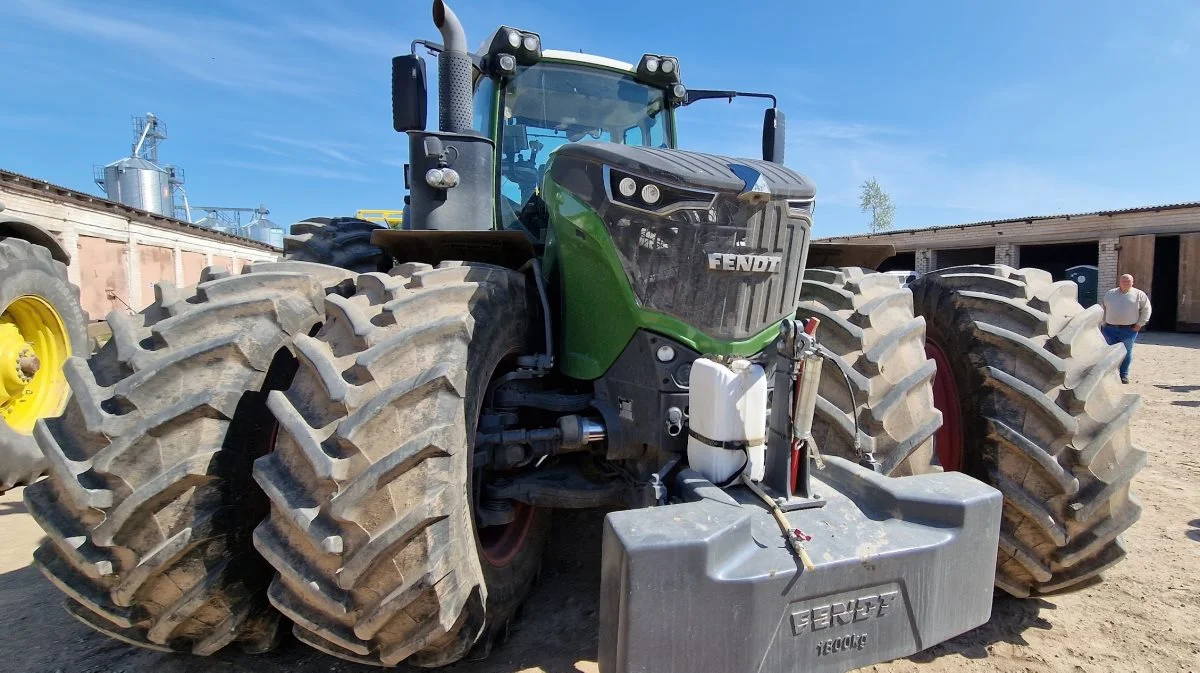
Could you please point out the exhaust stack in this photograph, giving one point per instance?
(454, 72)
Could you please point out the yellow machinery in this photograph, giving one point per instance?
(392, 218)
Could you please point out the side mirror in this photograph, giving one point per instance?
(773, 135)
(410, 93)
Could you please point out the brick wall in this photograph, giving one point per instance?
(1108, 264)
(924, 261)
(1006, 253)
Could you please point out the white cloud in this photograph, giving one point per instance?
(295, 169)
(331, 149)
(839, 156)
(209, 50)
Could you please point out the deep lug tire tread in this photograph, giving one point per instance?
(370, 529)
(1053, 433)
(867, 319)
(344, 242)
(147, 510)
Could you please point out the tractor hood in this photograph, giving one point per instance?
(695, 170)
(715, 242)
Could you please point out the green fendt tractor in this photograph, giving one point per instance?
(809, 475)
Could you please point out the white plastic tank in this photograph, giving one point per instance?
(727, 404)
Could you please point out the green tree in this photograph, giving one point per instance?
(877, 202)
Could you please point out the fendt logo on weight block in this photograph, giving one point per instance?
(873, 606)
(728, 261)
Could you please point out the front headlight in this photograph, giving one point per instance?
(651, 196)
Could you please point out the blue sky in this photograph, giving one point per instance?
(963, 111)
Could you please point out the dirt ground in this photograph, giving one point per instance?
(1143, 616)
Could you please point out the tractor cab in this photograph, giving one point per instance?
(564, 98)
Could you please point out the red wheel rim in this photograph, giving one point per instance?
(501, 544)
(947, 441)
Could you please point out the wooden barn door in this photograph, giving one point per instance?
(1188, 318)
(1136, 257)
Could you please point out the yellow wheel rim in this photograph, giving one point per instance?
(33, 349)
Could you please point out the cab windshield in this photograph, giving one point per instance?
(550, 104)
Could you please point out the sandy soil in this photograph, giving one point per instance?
(1144, 615)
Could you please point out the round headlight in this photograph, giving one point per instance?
(665, 354)
(652, 65)
(668, 67)
(434, 177)
(627, 187)
(514, 39)
(508, 63)
(650, 194)
(531, 43)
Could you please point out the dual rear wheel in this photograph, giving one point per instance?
(324, 418)
(1028, 397)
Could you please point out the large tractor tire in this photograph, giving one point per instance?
(150, 505)
(41, 325)
(371, 526)
(344, 242)
(1034, 406)
(867, 320)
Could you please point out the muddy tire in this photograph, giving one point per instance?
(344, 242)
(371, 527)
(28, 270)
(149, 505)
(867, 320)
(1044, 418)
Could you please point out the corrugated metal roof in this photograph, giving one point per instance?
(41, 186)
(1030, 219)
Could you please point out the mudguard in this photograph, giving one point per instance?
(709, 585)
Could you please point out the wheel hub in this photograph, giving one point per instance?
(34, 347)
(501, 543)
(14, 354)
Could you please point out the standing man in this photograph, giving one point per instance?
(1126, 312)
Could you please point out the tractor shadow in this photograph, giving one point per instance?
(1011, 617)
(1177, 389)
(1193, 532)
(557, 632)
(17, 507)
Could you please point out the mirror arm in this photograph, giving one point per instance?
(694, 95)
(433, 47)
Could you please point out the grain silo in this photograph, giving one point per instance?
(138, 180)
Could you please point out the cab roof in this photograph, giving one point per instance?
(588, 59)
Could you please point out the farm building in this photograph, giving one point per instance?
(119, 252)
(1159, 245)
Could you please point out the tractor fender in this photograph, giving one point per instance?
(510, 249)
(11, 227)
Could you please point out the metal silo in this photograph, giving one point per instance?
(211, 221)
(264, 230)
(138, 183)
(137, 180)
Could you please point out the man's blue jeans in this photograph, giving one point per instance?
(1121, 335)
